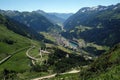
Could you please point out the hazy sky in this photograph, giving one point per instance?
(63, 6)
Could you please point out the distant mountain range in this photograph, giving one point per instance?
(87, 15)
(62, 15)
(38, 20)
(31, 19)
(19, 28)
(55, 18)
(100, 25)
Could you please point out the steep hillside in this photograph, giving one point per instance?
(92, 16)
(103, 24)
(9, 40)
(13, 46)
(31, 19)
(107, 66)
(84, 17)
(19, 28)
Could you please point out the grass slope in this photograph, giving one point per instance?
(18, 66)
(10, 41)
(106, 67)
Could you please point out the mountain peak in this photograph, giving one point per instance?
(95, 8)
(40, 12)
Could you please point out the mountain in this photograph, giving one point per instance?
(19, 28)
(13, 36)
(31, 19)
(99, 25)
(64, 16)
(15, 40)
(52, 18)
(87, 15)
(38, 20)
(55, 18)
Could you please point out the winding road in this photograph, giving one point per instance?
(48, 76)
(53, 75)
(45, 77)
(27, 53)
(33, 58)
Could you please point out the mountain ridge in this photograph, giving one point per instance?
(88, 12)
(19, 28)
(55, 18)
(104, 25)
(34, 20)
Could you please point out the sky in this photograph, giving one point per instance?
(61, 6)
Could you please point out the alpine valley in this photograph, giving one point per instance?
(39, 45)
